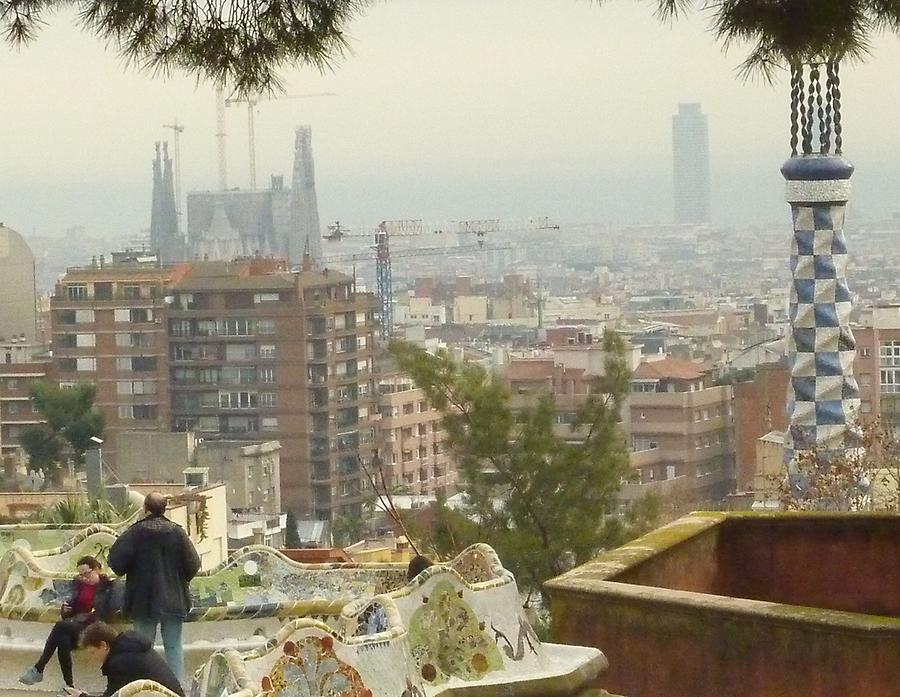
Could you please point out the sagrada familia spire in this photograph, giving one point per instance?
(164, 234)
(304, 207)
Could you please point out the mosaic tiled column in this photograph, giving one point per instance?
(823, 397)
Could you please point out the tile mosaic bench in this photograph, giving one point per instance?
(457, 628)
(239, 604)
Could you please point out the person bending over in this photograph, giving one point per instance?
(124, 658)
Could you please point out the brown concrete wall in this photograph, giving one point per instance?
(663, 649)
(839, 563)
(689, 566)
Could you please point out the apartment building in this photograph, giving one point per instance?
(258, 352)
(242, 350)
(414, 445)
(108, 329)
(682, 426)
(877, 364)
(22, 363)
(678, 424)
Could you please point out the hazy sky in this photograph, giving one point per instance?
(452, 108)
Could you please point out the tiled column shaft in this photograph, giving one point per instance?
(823, 396)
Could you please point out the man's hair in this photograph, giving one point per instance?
(417, 566)
(90, 562)
(98, 633)
(155, 503)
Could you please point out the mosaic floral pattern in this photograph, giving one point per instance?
(260, 577)
(447, 639)
(218, 679)
(310, 668)
(474, 566)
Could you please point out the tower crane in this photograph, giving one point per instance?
(386, 229)
(251, 102)
(177, 130)
(383, 270)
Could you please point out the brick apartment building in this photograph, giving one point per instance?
(414, 446)
(108, 328)
(678, 424)
(243, 350)
(759, 408)
(260, 352)
(22, 363)
(877, 364)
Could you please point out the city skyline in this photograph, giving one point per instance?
(572, 150)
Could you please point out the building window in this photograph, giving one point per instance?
(236, 327)
(143, 364)
(86, 365)
(142, 339)
(67, 365)
(12, 384)
(269, 423)
(131, 292)
(267, 351)
(890, 380)
(267, 375)
(865, 351)
(265, 326)
(409, 408)
(268, 399)
(266, 298)
(85, 340)
(865, 379)
(76, 292)
(238, 400)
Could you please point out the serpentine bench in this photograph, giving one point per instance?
(238, 604)
(457, 628)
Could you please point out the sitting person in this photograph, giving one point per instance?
(90, 601)
(124, 658)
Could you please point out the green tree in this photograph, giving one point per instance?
(544, 501)
(44, 448)
(346, 530)
(790, 32)
(71, 420)
(240, 43)
(291, 536)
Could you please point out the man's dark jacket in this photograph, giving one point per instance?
(131, 657)
(158, 560)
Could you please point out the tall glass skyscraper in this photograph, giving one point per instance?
(690, 149)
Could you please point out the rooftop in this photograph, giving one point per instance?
(669, 369)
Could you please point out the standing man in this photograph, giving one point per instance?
(158, 560)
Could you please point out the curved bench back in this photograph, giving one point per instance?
(310, 658)
(255, 582)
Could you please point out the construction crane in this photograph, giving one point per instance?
(415, 227)
(177, 130)
(383, 270)
(251, 103)
(220, 137)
